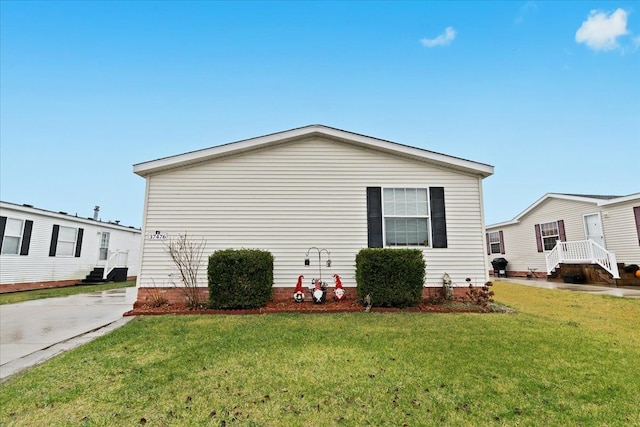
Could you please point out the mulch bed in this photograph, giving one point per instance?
(345, 306)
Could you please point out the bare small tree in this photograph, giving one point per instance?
(186, 254)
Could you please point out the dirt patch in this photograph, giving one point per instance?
(344, 306)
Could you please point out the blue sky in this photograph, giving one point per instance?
(547, 92)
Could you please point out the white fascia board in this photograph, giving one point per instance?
(597, 202)
(500, 225)
(146, 168)
(65, 216)
(629, 198)
(469, 166)
(179, 160)
(535, 205)
(575, 198)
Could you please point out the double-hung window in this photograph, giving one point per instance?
(495, 246)
(66, 241)
(12, 236)
(406, 216)
(550, 235)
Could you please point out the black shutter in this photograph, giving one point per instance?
(486, 235)
(3, 225)
(79, 242)
(26, 237)
(501, 242)
(54, 240)
(374, 217)
(438, 217)
(538, 237)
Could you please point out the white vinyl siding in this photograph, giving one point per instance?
(12, 236)
(300, 194)
(38, 266)
(620, 233)
(520, 239)
(617, 223)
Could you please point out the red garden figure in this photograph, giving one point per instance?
(298, 296)
(339, 290)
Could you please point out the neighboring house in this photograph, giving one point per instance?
(593, 230)
(315, 187)
(40, 248)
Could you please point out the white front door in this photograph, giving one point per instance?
(593, 228)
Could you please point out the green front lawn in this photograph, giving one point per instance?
(14, 297)
(565, 359)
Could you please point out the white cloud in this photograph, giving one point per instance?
(442, 40)
(601, 30)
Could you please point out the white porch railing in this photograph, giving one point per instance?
(115, 259)
(582, 252)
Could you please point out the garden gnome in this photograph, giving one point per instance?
(339, 290)
(298, 296)
(318, 292)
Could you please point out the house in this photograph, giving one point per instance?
(41, 248)
(598, 235)
(314, 193)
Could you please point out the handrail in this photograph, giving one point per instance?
(115, 259)
(579, 252)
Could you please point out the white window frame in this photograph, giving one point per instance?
(66, 242)
(547, 227)
(103, 251)
(494, 239)
(387, 215)
(7, 232)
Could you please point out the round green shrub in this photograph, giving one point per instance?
(393, 277)
(240, 278)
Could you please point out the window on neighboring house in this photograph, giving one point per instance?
(494, 240)
(406, 216)
(66, 241)
(104, 246)
(12, 236)
(15, 236)
(547, 234)
(550, 235)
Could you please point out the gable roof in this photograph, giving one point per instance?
(597, 200)
(182, 160)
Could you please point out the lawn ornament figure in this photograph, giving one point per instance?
(447, 287)
(339, 290)
(298, 296)
(319, 291)
(368, 302)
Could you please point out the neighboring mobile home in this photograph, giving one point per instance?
(40, 248)
(315, 187)
(596, 232)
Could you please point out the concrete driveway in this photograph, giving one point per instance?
(34, 331)
(625, 292)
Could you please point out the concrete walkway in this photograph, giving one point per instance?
(32, 332)
(626, 292)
